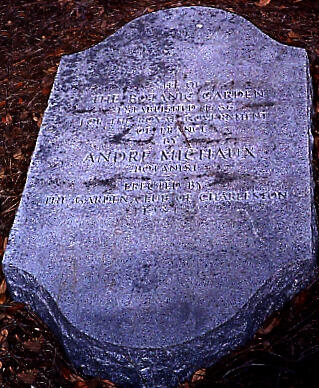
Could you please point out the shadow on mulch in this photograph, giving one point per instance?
(33, 36)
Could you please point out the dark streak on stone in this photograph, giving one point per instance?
(180, 127)
(258, 105)
(117, 139)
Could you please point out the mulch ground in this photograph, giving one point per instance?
(33, 36)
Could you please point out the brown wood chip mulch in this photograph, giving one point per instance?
(33, 36)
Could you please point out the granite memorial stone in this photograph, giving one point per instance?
(168, 209)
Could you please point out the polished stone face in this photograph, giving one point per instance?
(168, 207)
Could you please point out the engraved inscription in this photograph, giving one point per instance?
(166, 201)
(164, 142)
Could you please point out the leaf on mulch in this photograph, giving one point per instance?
(293, 35)
(3, 335)
(7, 119)
(66, 2)
(80, 384)
(18, 155)
(108, 383)
(4, 245)
(3, 287)
(46, 91)
(263, 3)
(29, 376)
(34, 345)
(300, 300)
(198, 375)
(69, 376)
(269, 328)
(24, 115)
(51, 70)
(58, 52)
(37, 119)
(47, 81)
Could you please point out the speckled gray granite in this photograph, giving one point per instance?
(168, 208)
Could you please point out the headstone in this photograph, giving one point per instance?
(168, 208)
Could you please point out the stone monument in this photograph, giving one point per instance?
(168, 209)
